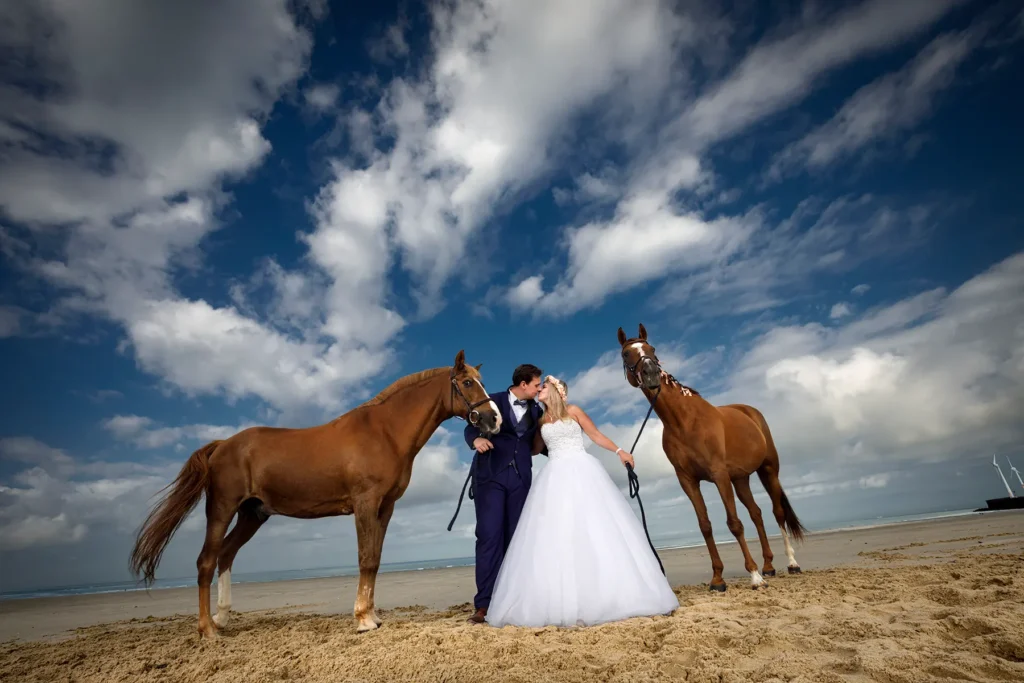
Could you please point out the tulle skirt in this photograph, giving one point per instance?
(579, 556)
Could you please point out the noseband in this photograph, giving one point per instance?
(634, 369)
(472, 414)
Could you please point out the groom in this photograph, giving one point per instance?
(502, 471)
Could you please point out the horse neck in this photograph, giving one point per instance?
(671, 406)
(418, 411)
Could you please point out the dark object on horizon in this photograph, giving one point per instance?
(1005, 503)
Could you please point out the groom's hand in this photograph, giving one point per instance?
(482, 445)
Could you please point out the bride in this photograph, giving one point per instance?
(579, 555)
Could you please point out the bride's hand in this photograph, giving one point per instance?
(627, 458)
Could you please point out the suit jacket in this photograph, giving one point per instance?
(509, 446)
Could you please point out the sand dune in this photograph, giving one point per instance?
(950, 609)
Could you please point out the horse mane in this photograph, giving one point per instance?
(402, 383)
(673, 382)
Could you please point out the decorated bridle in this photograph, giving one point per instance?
(634, 369)
(472, 414)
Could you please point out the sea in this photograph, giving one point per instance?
(670, 543)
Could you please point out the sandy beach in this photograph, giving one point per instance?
(926, 601)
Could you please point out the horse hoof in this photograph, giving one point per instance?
(718, 588)
(760, 586)
(795, 570)
(770, 572)
(366, 626)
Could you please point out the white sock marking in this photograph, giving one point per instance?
(756, 579)
(791, 558)
(223, 598)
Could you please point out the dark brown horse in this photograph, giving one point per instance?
(720, 444)
(358, 464)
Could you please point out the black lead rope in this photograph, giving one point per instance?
(634, 484)
(458, 507)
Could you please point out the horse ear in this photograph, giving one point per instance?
(622, 337)
(643, 332)
(460, 360)
(479, 366)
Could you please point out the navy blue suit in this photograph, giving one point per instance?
(501, 480)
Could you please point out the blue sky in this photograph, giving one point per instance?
(264, 213)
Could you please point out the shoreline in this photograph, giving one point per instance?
(41, 618)
(181, 583)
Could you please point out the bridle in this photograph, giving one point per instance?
(634, 370)
(472, 414)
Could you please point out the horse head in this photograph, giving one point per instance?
(639, 361)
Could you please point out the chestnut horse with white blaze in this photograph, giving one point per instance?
(358, 464)
(720, 444)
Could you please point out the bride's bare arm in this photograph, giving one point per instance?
(591, 430)
(539, 447)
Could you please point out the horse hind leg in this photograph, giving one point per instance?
(371, 525)
(746, 497)
(770, 480)
(250, 518)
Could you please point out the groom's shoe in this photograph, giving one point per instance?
(478, 616)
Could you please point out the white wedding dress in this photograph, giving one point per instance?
(579, 555)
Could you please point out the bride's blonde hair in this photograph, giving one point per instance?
(558, 394)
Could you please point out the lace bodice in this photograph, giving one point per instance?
(563, 438)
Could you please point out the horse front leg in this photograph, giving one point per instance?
(691, 487)
(371, 525)
(732, 520)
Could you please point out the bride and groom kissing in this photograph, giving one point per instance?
(566, 549)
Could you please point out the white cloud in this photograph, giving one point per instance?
(141, 124)
(654, 232)
(928, 377)
(58, 500)
(322, 97)
(777, 73)
(840, 310)
(171, 123)
(603, 187)
(145, 433)
(769, 267)
(860, 289)
(889, 106)
(487, 119)
(527, 293)
(645, 242)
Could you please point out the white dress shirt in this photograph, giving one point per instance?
(518, 411)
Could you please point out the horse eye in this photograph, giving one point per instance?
(467, 383)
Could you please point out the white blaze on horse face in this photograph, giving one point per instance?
(492, 404)
(639, 346)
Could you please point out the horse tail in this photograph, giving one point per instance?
(164, 519)
(793, 525)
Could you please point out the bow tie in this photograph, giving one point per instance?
(520, 402)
